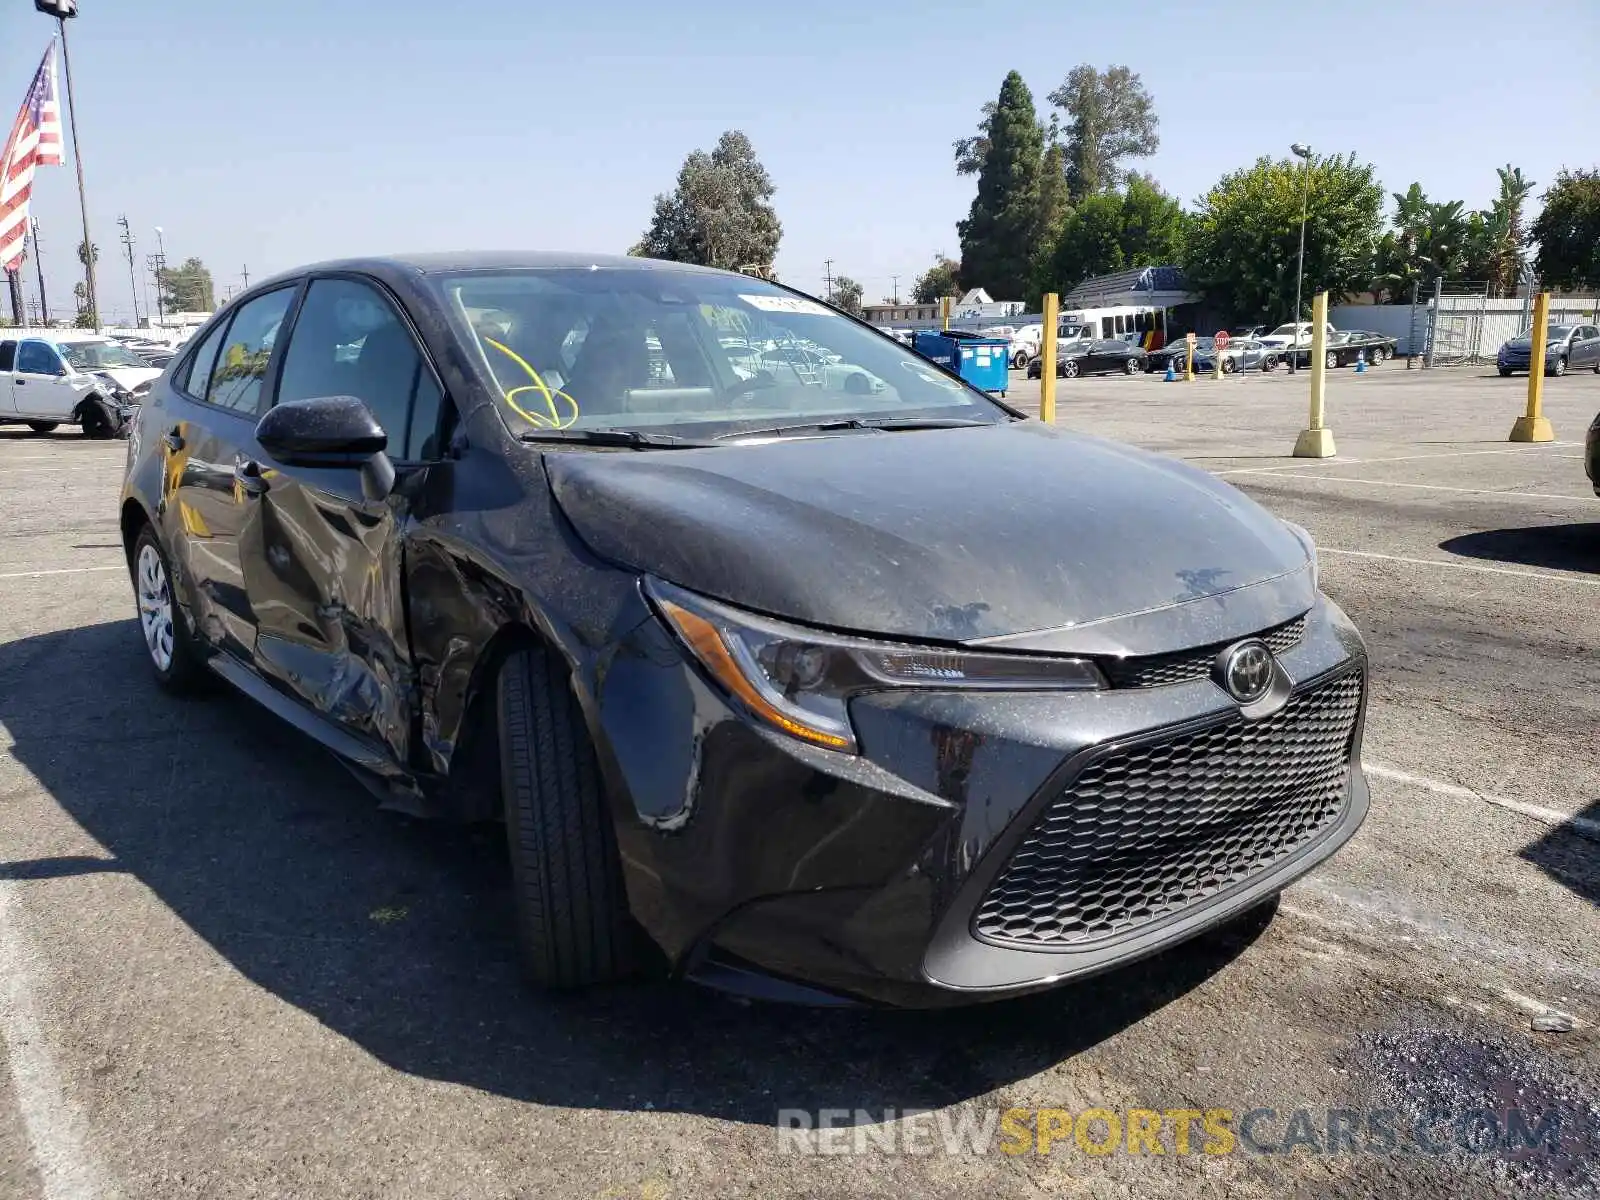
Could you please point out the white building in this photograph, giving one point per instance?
(975, 306)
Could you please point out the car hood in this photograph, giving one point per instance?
(1525, 345)
(1022, 532)
(129, 377)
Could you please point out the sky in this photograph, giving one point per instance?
(261, 136)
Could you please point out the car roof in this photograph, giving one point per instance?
(448, 262)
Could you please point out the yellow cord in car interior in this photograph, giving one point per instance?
(538, 420)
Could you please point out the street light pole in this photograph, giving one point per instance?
(61, 10)
(1302, 151)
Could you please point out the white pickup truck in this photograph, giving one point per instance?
(1294, 334)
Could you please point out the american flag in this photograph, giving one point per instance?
(35, 142)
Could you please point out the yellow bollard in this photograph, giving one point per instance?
(1188, 358)
(1047, 360)
(1534, 426)
(946, 304)
(1316, 440)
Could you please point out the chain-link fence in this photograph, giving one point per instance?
(1461, 323)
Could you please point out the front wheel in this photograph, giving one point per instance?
(94, 422)
(1019, 359)
(1229, 366)
(44, 426)
(1560, 368)
(572, 916)
(1505, 372)
(1132, 366)
(1069, 369)
(1331, 359)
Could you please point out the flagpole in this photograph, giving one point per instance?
(77, 161)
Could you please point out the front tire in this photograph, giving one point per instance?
(1330, 360)
(44, 426)
(572, 917)
(1069, 369)
(1505, 372)
(175, 656)
(1132, 367)
(1229, 366)
(94, 422)
(1560, 368)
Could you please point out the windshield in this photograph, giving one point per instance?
(1559, 333)
(97, 356)
(694, 355)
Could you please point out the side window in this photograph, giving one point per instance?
(37, 358)
(195, 376)
(241, 365)
(8, 355)
(349, 341)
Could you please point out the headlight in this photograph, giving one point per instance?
(1311, 549)
(116, 388)
(800, 681)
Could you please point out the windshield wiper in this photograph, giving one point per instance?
(636, 439)
(884, 423)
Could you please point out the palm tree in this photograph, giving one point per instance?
(1507, 228)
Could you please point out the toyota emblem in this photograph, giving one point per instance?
(1247, 671)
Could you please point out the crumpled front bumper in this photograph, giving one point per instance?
(860, 875)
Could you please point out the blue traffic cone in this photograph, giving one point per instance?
(1361, 362)
(1172, 375)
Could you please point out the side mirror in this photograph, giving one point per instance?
(328, 431)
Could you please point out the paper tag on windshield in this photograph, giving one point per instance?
(786, 304)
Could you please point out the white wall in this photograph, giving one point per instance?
(1391, 320)
(1468, 326)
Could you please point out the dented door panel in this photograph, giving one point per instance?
(323, 569)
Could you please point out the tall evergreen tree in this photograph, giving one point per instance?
(997, 244)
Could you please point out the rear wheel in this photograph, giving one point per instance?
(1331, 359)
(572, 918)
(44, 426)
(175, 656)
(1269, 364)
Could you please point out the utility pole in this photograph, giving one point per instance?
(896, 279)
(246, 272)
(827, 293)
(157, 263)
(127, 246)
(38, 263)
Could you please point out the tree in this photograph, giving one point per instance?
(84, 258)
(1429, 241)
(186, 288)
(1568, 231)
(972, 152)
(847, 296)
(997, 236)
(1090, 244)
(1243, 241)
(720, 214)
(1508, 232)
(938, 281)
(1143, 227)
(1110, 118)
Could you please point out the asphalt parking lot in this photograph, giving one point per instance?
(226, 974)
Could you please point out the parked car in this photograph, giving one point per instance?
(745, 672)
(1096, 356)
(1591, 454)
(1241, 354)
(1565, 346)
(1342, 348)
(66, 378)
(1379, 347)
(1294, 334)
(1175, 352)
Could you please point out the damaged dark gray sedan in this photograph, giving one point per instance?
(789, 662)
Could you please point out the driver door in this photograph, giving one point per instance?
(39, 387)
(321, 555)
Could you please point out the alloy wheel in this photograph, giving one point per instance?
(155, 606)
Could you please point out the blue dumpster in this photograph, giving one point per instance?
(982, 362)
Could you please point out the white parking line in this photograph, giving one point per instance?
(1461, 566)
(1426, 487)
(1399, 458)
(61, 571)
(1549, 816)
(56, 1132)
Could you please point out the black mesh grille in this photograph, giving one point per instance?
(1144, 832)
(1157, 670)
